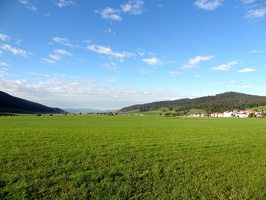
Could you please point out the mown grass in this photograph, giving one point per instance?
(129, 157)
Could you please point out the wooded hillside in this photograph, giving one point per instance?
(11, 104)
(217, 103)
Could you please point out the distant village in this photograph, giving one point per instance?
(234, 113)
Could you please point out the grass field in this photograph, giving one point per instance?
(132, 157)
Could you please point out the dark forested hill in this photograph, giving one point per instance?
(217, 103)
(13, 104)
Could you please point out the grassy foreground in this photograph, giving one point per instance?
(129, 157)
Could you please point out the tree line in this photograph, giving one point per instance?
(218, 103)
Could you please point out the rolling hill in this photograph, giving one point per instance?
(216, 103)
(11, 104)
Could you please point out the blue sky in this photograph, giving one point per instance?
(109, 54)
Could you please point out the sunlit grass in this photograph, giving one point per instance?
(129, 157)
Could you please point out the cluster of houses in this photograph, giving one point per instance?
(234, 113)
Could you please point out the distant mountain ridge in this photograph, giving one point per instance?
(87, 110)
(11, 104)
(216, 103)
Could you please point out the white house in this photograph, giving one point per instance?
(216, 114)
(227, 114)
(241, 115)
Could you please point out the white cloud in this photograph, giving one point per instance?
(233, 62)
(49, 61)
(110, 13)
(225, 67)
(63, 52)
(256, 9)
(65, 3)
(87, 41)
(246, 70)
(58, 53)
(248, 1)
(14, 50)
(23, 1)
(37, 74)
(109, 30)
(28, 5)
(254, 52)
(134, 7)
(18, 42)
(109, 52)
(193, 62)
(111, 65)
(140, 52)
(240, 86)
(198, 59)
(55, 57)
(64, 41)
(259, 13)
(208, 4)
(173, 73)
(126, 7)
(152, 61)
(3, 64)
(4, 37)
(246, 86)
(67, 93)
(32, 7)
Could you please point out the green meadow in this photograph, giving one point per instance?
(132, 157)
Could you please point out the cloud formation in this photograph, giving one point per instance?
(66, 93)
(174, 73)
(248, 1)
(133, 7)
(193, 62)
(256, 9)
(14, 50)
(28, 5)
(152, 61)
(58, 53)
(3, 64)
(246, 70)
(208, 4)
(110, 65)
(225, 67)
(254, 52)
(109, 52)
(65, 3)
(50, 61)
(4, 37)
(110, 13)
(63, 52)
(258, 13)
(246, 86)
(23, 1)
(64, 41)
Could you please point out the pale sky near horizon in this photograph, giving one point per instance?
(108, 54)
